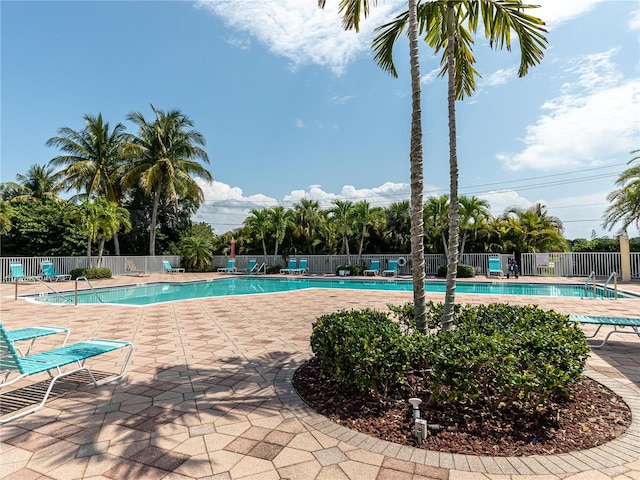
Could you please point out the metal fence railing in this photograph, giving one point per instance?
(571, 264)
(63, 265)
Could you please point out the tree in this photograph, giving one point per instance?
(342, 216)
(39, 183)
(98, 220)
(625, 200)
(308, 219)
(196, 251)
(165, 161)
(436, 213)
(280, 221)
(258, 225)
(351, 11)
(443, 23)
(366, 218)
(93, 161)
(533, 230)
(397, 233)
(473, 211)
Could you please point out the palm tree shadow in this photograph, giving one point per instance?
(202, 400)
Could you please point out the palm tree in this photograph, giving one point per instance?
(39, 183)
(397, 233)
(436, 213)
(473, 211)
(342, 216)
(166, 153)
(258, 224)
(533, 230)
(93, 160)
(280, 220)
(366, 218)
(443, 23)
(196, 251)
(98, 220)
(351, 13)
(625, 200)
(308, 219)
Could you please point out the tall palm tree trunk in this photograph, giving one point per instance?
(154, 221)
(417, 175)
(454, 231)
(116, 245)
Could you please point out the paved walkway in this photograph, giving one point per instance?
(208, 396)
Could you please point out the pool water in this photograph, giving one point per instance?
(146, 294)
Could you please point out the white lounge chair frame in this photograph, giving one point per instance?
(52, 362)
(618, 324)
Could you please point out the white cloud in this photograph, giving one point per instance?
(554, 12)
(500, 77)
(299, 123)
(597, 118)
(634, 21)
(300, 31)
(430, 76)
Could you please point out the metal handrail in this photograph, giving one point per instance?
(586, 283)
(613, 276)
(90, 286)
(46, 285)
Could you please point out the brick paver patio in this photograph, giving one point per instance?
(208, 396)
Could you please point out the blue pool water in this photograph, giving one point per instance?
(145, 294)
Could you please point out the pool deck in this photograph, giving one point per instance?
(208, 395)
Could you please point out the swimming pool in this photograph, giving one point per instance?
(159, 292)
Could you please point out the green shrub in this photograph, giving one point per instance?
(353, 269)
(91, 273)
(463, 271)
(500, 354)
(363, 348)
(273, 268)
(404, 314)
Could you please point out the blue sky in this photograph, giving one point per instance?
(292, 106)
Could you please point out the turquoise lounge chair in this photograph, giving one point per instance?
(302, 267)
(374, 268)
(392, 268)
(52, 362)
(50, 275)
(169, 269)
(230, 268)
(293, 264)
(618, 324)
(17, 274)
(33, 333)
(253, 268)
(494, 267)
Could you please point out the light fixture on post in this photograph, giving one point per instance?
(420, 425)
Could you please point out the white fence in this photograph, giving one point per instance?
(117, 265)
(572, 264)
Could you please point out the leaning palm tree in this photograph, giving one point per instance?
(98, 220)
(625, 200)
(352, 10)
(473, 211)
(443, 25)
(342, 214)
(39, 183)
(258, 226)
(93, 160)
(280, 220)
(165, 157)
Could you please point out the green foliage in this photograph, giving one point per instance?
(196, 252)
(91, 273)
(353, 269)
(404, 314)
(273, 269)
(38, 229)
(499, 354)
(363, 348)
(464, 271)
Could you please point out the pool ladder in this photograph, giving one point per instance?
(75, 296)
(592, 277)
(613, 276)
